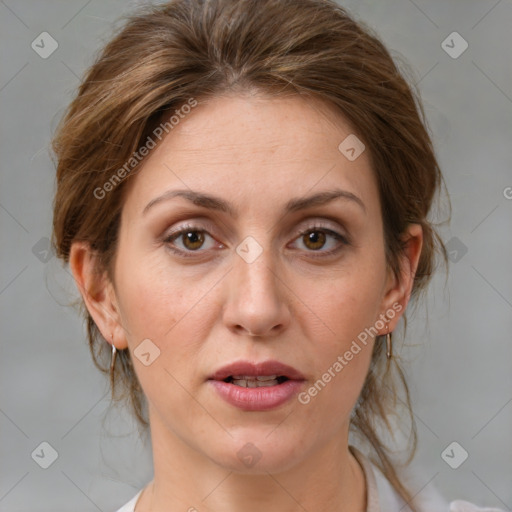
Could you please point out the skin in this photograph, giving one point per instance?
(213, 308)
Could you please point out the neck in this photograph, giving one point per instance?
(329, 478)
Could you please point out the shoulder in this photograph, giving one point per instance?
(382, 497)
(130, 506)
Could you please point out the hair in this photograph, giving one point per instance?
(166, 55)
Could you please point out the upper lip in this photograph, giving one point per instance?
(263, 369)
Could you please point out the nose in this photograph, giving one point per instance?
(257, 298)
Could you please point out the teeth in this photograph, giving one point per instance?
(253, 383)
(260, 378)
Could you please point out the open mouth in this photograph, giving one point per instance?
(246, 381)
(260, 393)
(259, 386)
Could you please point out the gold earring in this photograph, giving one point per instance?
(113, 360)
(389, 344)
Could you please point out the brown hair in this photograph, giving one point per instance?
(166, 55)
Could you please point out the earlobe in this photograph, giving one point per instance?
(97, 292)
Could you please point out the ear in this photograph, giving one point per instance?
(398, 291)
(97, 292)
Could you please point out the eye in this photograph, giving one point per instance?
(316, 238)
(189, 239)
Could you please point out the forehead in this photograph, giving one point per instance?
(285, 127)
(254, 147)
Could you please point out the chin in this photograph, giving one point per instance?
(255, 453)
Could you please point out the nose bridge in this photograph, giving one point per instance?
(258, 276)
(256, 297)
(255, 267)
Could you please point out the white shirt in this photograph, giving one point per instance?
(381, 497)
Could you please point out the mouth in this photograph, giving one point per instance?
(257, 386)
(260, 381)
(266, 373)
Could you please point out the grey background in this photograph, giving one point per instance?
(460, 355)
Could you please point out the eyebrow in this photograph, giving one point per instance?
(219, 204)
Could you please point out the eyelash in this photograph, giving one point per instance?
(310, 229)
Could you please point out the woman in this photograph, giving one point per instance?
(243, 191)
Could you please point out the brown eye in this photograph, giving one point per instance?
(321, 242)
(192, 239)
(314, 239)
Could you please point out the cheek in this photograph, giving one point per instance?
(167, 311)
(160, 304)
(152, 299)
(343, 305)
(340, 360)
(345, 310)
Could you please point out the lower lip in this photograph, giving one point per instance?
(257, 399)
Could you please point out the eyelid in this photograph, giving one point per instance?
(194, 225)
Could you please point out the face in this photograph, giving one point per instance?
(225, 256)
